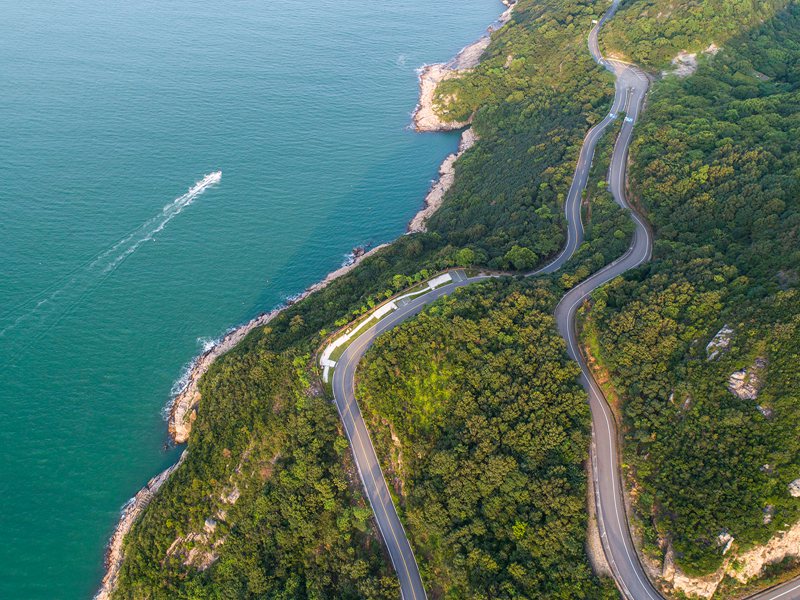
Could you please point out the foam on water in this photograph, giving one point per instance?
(146, 232)
(92, 273)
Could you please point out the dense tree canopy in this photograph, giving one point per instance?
(486, 409)
(652, 32)
(533, 97)
(478, 414)
(262, 498)
(299, 527)
(715, 163)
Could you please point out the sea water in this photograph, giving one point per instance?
(169, 170)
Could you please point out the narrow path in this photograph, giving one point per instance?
(630, 89)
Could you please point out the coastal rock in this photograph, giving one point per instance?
(719, 343)
(447, 176)
(182, 411)
(426, 116)
(745, 384)
(130, 512)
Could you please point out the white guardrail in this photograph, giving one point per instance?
(325, 360)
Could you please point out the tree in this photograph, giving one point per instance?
(521, 258)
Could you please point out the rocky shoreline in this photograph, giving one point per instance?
(130, 512)
(447, 176)
(181, 414)
(182, 409)
(425, 116)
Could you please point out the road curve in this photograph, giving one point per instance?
(366, 460)
(630, 89)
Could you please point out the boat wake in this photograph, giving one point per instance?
(85, 278)
(146, 232)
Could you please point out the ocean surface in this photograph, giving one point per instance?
(112, 276)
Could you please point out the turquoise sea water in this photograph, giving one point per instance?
(110, 110)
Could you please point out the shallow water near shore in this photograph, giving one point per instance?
(111, 112)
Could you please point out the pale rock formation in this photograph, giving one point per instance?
(769, 513)
(794, 488)
(745, 384)
(426, 116)
(702, 587)
(782, 544)
(742, 566)
(725, 539)
(685, 63)
(447, 176)
(719, 343)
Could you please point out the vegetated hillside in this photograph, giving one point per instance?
(482, 425)
(533, 98)
(267, 503)
(652, 32)
(716, 164)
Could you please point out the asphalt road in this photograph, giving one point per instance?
(368, 466)
(630, 89)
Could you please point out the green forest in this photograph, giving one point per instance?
(715, 164)
(268, 503)
(533, 97)
(651, 32)
(481, 423)
(268, 494)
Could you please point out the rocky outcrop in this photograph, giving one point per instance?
(702, 587)
(685, 63)
(745, 384)
(182, 410)
(743, 566)
(447, 176)
(130, 512)
(198, 549)
(719, 343)
(427, 116)
(781, 545)
(794, 488)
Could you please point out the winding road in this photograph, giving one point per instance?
(630, 89)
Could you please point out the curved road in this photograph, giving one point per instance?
(630, 90)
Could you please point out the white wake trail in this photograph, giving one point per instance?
(92, 273)
(156, 224)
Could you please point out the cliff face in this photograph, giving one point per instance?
(743, 566)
